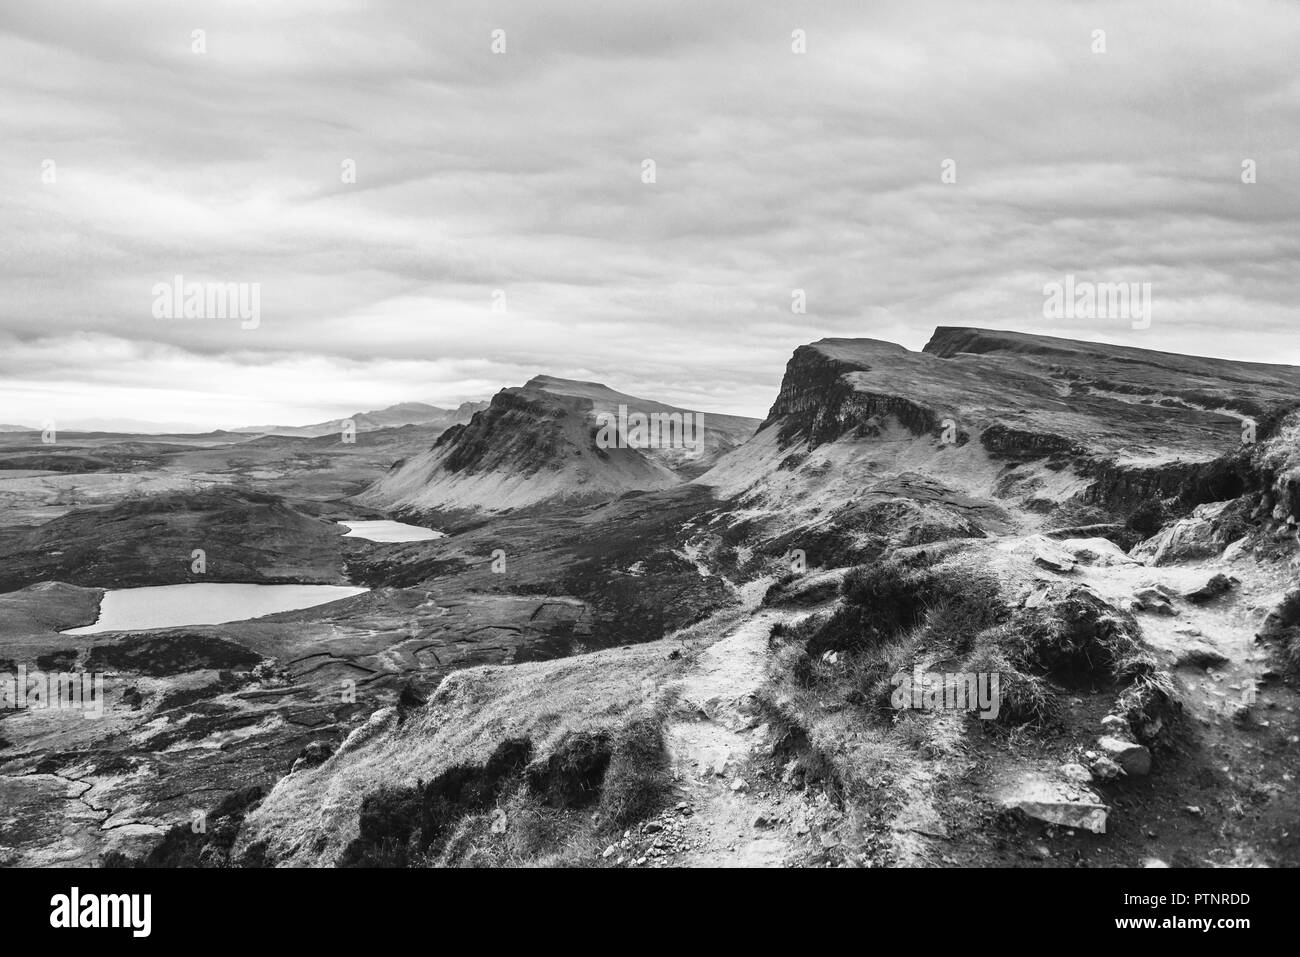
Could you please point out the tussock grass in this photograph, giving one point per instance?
(637, 780)
(1026, 701)
(883, 600)
(1081, 638)
(313, 815)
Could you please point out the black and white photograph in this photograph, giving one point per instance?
(571, 436)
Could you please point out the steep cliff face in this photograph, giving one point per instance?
(543, 443)
(1052, 426)
(818, 399)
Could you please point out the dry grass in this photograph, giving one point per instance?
(312, 816)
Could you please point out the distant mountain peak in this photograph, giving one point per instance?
(539, 443)
(393, 416)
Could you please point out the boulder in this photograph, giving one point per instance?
(1218, 585)
(314, 754)
(1052, 556)
(1283, 617)
(1054, 804)
(1097, 551)
(1104, 769)
(1237, 549)
(1200, 535)
(1155, 601)
(1134, 758)
(1200, 654)
(1076, 773)
(1116, 725)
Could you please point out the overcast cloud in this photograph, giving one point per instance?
(522, 172)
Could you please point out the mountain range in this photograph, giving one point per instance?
(541, 443)
(394, 416)
(627, 653)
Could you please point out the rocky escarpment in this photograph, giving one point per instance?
(1074, 432)
(516, 430)
(819, 403)
(551, 442)
(1020, 443)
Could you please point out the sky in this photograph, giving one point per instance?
(917, 164)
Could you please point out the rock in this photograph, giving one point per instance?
(1044, 801)
(1153, 600)
(1236, 551)
(762, 821)
(1134, 758)
(1037, 598)
(739, 785)
(499, 821)
(1052, 556)
(1076, 773)
(608, 852)
(765, 739)
(1104, 769)
(1149, 730)
(1101, 552)
(1283, 617)
(1153, 862)
(1212, 589)
(1197, 536)
(316, 753)
(1115, 724)
(1193, 810)
(1200, 654)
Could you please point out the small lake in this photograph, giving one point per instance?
(215, 603)
(386, 531)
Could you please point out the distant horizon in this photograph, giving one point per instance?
(141, 427)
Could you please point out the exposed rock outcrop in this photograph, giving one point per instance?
(543, 443)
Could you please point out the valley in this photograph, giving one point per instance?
(536, 648)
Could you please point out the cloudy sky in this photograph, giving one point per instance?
(128, 158)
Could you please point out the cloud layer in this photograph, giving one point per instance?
(521, 172)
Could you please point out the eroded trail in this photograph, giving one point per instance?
(1247, 721)
(735, 818)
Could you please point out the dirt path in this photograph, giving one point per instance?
(1213, 801)
(712, 738)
